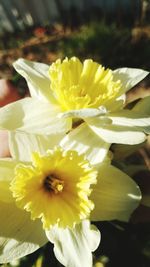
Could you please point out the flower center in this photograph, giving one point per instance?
(53, 184)
(87, 85)
(55, 187)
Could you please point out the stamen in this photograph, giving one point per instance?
(53, 184)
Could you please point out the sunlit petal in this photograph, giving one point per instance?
(36, 75)
(73, 247)
(129, 77)
(34, 116)
(6, 174)
(84, 113)
(22, 144)
(133, 120)
(115, 195)
(84, 140)
(19, 235)
(115, 133)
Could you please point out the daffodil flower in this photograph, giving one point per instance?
(52, 195)
(70, 93)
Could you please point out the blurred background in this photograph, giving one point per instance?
(113, 32)
(116, 33)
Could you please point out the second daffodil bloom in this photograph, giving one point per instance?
(52, 195)
(70, 93)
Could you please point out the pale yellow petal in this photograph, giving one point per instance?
(6, 175)
(23, 144)
(129, 77)
(116, 133)
(73, 247)
(115, 195)
(19, 236)
(33, 116)
(36, 75)
(132, 119)
(84, 113)
(84, 140)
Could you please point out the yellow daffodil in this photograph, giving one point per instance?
(53, 194)
(70, 93)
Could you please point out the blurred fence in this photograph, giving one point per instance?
(18, 14)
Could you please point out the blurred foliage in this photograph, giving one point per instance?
(109, 44)
(113, 46)
(97, 41)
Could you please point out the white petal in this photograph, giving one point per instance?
(73, 247)
(115, 195)
(129, 77)
(6, 174)
(84, 140)
(84, 113)
(134, 120)
(33, 116)
(117, 104)
(116, 133)
(23, 144)
(37, 77)
(19, 236)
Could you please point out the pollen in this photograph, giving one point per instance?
(52, 184)
(55, 188)
(79, 85)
